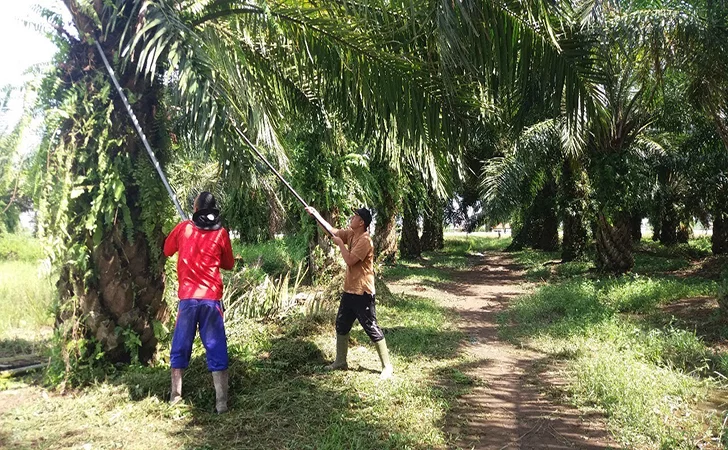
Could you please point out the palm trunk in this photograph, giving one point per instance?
(614, 245)
(719, 240)
(409, 244)
(385, 238)
(656, 230)
(546, 235)
(573, 209)
(635, 222)
(432, 225)
(385, 234)
(549, 238)
(523, 232)
(112, 274)
(389, 188)
(321, 242)
(668, 227)
(276, 213)
(575, 239)
(540, 226)
(683, 233)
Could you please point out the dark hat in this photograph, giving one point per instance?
(365, 215)
(207, 219)
(206, 216)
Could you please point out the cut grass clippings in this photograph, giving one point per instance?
(280, 396)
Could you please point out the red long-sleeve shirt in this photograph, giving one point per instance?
(202, 253)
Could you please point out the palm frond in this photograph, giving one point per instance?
(513, 180)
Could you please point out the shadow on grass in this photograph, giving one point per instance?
(460, 253)
(280, 397)
(646, 263)
(421, 269)
(422, 341)
(5, 439)
(283, 356)
(281, 406)
(558, 310)
(650, 259)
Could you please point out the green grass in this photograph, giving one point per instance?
(26, 296)
(650, 403)
(694, 249)
(20, 247)
(647, 379)
(653, 258)
(647, 375)
(273, 257)
(421, 272)
(437, 267)
(463, 244)
(280, 396)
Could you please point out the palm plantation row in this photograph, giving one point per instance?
(593, 115)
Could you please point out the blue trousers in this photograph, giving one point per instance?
(208, 315)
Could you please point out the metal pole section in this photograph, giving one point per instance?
(260, 155)
(280, 177)
(140, 132)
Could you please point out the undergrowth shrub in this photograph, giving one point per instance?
(248, 295)
(723, 295)
(634, 293)
(276, 257)
(650, 405)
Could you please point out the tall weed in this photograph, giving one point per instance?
(26, 296)
(248, 297)
(20, 247)
(647, 379)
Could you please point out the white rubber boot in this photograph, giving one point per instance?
(176, 389)
(220, 380)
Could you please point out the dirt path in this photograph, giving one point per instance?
(508, 408)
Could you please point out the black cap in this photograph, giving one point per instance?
(365, 215)
(206, 216)
(207, 219)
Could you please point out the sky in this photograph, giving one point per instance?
(21, 46)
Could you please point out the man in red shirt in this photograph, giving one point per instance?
(204, 248)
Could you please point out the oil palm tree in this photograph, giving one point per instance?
(212, 68)
(539, 182)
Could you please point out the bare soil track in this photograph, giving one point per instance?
(511, 406)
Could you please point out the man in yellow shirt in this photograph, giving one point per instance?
(357, 301)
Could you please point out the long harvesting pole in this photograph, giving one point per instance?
(138, 127)
(280, 177)
(158, 166)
